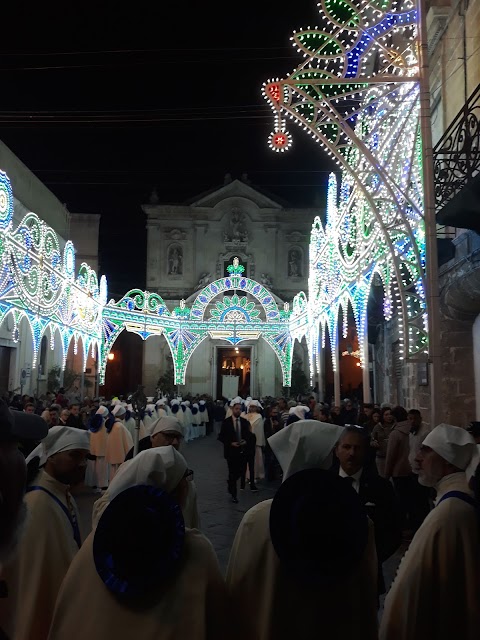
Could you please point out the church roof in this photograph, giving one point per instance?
(238, 188)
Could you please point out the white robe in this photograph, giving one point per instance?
(436, 591)
(274, 607)
(43, 557)
(189, 426)
(119, 443)
(256, 426)
(194, 605)
(97, 470)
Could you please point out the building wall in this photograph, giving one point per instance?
(270, 238)
(84, 228)
(31, 195)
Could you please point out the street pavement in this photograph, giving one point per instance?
(219, 517)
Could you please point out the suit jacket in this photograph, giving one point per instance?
(228, 435)
(378, 497)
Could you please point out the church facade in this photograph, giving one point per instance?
(191, 245)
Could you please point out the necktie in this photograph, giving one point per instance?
(239, 430)
(350, 480)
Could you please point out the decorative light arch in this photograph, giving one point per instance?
(235, 317)
(356, 93)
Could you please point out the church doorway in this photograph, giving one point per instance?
(233, 371)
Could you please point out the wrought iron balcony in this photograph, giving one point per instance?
(456, 159)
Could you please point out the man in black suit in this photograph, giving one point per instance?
(238, 445)
(375, 492)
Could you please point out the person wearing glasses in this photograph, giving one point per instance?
(168, 431)
(142, 572)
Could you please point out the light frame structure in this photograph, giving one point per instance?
(357, 94)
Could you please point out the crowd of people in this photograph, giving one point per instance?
(354, 483)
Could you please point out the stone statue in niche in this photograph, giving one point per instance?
(203, 281)
(236, 232)
(266, 281)
(175, 261)
(294, 266)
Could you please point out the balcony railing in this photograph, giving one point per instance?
(456, 156)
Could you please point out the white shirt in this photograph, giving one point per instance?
(356, 478)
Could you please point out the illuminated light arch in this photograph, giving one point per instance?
(234, 318)
(369, 123)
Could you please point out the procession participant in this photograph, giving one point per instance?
(196, 419)
(202, 407)
(256, 426)
(297, 413)
(238, 443)
(189, 423)
(168, 431)
(148, 416)
(160, 408)
(51, 537)
(168, 586)
(310, 550)
(435, 592)
(119, 441)
(97, 469)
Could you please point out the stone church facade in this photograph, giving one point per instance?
(190, 245)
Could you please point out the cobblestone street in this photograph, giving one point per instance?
(219, 517)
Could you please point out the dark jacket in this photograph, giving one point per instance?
(378, 497)
(143, 445)
(228, 435)
(75, 421)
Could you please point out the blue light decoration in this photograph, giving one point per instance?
(367, 119)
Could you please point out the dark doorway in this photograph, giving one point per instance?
(5, 353)
(235, 361)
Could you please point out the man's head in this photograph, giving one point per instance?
(167, 431)
(445, 450)
(236, 410)
(323, 415)
(274, 412)
(368, 409)
(312, 403)
(29, 408)
(14, 426)
(348, 404)
(351, 449)
(400, 414)
(74, 409)
(415, 419)
(68, 467)
(64, 415)
(63, 454)
(282, 404)
(54, 413)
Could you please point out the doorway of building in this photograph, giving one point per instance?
(234, 361)
(5, 354)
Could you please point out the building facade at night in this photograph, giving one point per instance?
(191, 245)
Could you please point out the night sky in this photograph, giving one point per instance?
(105, 103)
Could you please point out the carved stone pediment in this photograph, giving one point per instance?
(296, 236)
(176, 234)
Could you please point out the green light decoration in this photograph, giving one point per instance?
(356, 93)
(235, 268)
(38, 282)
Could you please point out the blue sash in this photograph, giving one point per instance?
(73, 522)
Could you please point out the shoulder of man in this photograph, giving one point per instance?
(374, 484)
